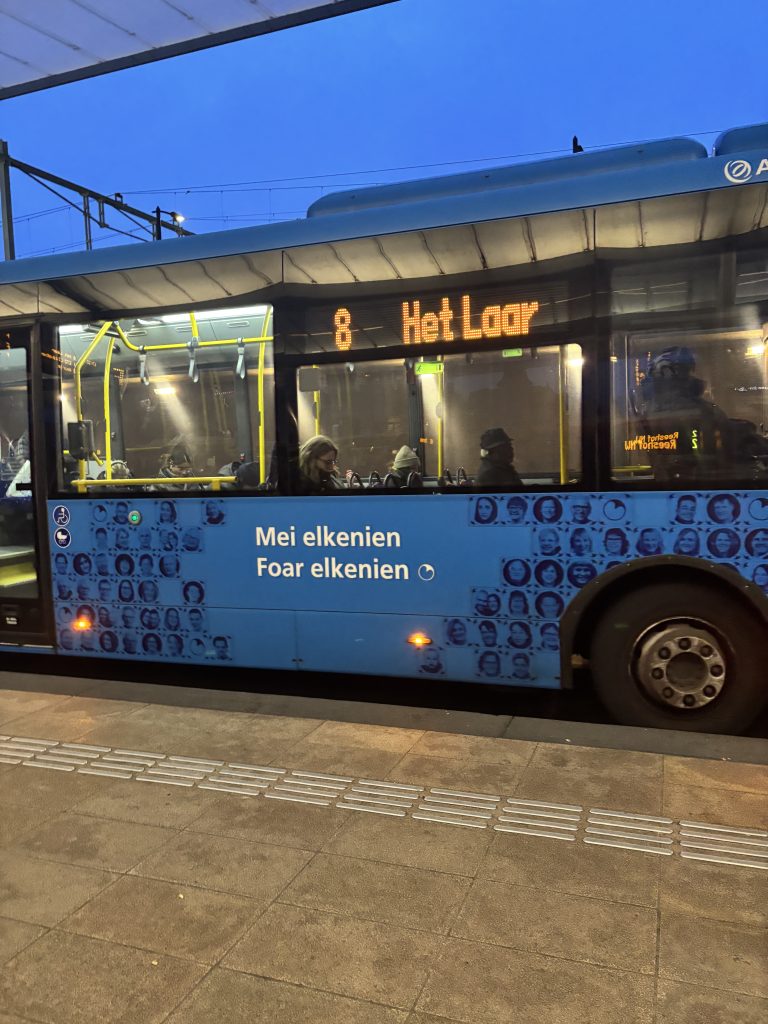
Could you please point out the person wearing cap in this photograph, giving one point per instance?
(406, 462)
(497, 458)
(317, 467)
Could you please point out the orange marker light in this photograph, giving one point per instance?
(419, 639)
(81, 624)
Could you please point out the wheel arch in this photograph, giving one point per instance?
(582, 614)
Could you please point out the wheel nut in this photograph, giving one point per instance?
(684, 643)
(664, 653)
(706, 651)
(657, 673)
(716, 671)
(709, 691)
(689, 700)
(668, 692)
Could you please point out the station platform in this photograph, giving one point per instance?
(191, 856)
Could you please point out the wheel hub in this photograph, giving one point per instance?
(680, 664)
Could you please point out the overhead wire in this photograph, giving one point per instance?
(291, 184)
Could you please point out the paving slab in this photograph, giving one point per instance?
(560, 925)
(388, 893)
(42, 892)
(484, 984)
(678, 1003)
(224, 864)
(15, 935)
(367, 960)
(417, 844)
(181, 921)
(445, 773)
(715, 954)
(236, 998)
(74, 979)
(93, 842)
(278, 822)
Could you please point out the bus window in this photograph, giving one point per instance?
(362, 407)
(168, 400)
(532, 394)
(426, 415)
(18, 575)
(690, 406)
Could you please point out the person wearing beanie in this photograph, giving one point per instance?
(497, 458)
(317, 466)
(406, 462)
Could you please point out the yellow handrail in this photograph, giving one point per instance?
(316, 402)
(440, 422)
(166, 482)
(262, 435)
(562, 419)
(82, 465)
(107, 411)
(183, 344)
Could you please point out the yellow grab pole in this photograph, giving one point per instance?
(82, 465)
(440, 425)
(262, 434)
(107, 411)
(562, 419)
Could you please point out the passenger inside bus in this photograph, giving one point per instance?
(703, 441)
(405, 469)
(174, 465)
(497, 458)
(317, 467)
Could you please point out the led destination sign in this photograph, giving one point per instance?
(447, 319)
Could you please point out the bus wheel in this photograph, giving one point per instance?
(680, 656)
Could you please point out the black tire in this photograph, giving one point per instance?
(616, 647)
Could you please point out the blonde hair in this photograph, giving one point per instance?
(310, 451)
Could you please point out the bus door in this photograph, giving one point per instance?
(22, 618)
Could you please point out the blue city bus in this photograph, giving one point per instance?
(485, 428)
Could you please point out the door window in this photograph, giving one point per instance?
(18, 574)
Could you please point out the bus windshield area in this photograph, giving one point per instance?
(690, 406)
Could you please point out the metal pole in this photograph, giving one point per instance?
(87, 223)
(6, 213)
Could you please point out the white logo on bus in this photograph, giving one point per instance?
(738, 171)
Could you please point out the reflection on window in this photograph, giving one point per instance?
(497, 419)
(690, 406)
(169, 399)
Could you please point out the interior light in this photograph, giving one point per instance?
(81, 624)
(575, 361)
(419, 639)
(166, 389)
(756, 350)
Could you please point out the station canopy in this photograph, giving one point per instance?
(44, 43)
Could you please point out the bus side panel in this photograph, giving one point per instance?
(485, 578)
(361, 644)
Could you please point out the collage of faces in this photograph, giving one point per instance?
(138, 584)
(567, 541)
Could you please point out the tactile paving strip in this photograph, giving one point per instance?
(570, 823)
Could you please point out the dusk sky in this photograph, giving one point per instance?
(257, 130)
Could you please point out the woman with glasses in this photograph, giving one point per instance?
(317, 466)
